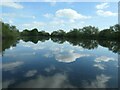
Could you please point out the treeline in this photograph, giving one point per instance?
(112, 45)
(90, 32)
(34, 32)
(86, 32)
(8, 31)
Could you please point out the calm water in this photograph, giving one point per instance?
(58, 64)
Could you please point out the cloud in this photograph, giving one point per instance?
(11, 66)
(12, 5)
(104, 59)
(10, 21)
(57, 21)
(106, 13)
(11, 15)
(52, 2)
(14, 15)
(70, 14)
(33, 17)
(64, 53)
(58, 81)
(51, 68)
(30, 73)
(60, 52)
(102, 6)
(65, 18)
(100, 66)
(31, 45)
(47, 15)
(100, 82)
(99, 62)
(21, 54)
(68, 57)
(34, 24)
(11, 48)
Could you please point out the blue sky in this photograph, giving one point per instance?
(51, 16)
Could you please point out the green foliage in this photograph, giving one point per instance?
(112, 33)
(87, 31)
(43, 33)
(35, 39)
(90, 32)
(9, 31)
(60, 33)
(7, 43)
(74, 33)
(34, 32)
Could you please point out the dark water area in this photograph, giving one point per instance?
(59, 63)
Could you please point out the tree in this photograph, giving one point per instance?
(58, 33)
(74, 33)
(34, 32)
(9, 31)
(25, 32)
(90, 31)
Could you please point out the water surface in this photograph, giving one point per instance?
(59, 64)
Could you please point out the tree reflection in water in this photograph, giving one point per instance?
(85, 43)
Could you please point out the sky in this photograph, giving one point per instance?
(52, 16)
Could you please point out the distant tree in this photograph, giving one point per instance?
(9, 31)
(34, 32)
(43, 33)
(115, 28)
(25, 32)
(73, 33)
(90, 31)
(58, 33)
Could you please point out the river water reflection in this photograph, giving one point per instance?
(57, 64)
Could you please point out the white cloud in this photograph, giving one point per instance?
(70, 14)
(8, 15)
(11, 66)
(70, 56)
(99, 62)
(100, 66)
(14, 15)
(30, 73)
(100, 82)
(25, 16)
(52, 2)
(47, 15)
(21, 54)
(34, 24)
(60, 52)
(50, 69)
(63, 54)
(106, 13)
(10, 21)
(58, 81)
(11, 48)
(57, 21)
(65, 18)
(31, 45)
(12, 4)
(33, 17)
(104, 59)
(102, 6)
